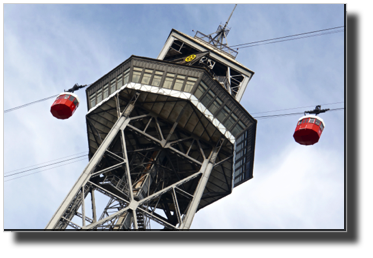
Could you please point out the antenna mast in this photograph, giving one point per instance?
(221, 33)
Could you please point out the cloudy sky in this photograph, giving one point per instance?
(49, 48)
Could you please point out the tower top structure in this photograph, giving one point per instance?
(216, 38)
(210, 52)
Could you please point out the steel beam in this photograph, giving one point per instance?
(84, 177)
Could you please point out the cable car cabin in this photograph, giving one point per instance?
(65, 105)
(308, 130)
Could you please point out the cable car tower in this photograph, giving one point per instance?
(167, 137)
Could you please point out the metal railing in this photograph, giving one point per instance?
(216, 44)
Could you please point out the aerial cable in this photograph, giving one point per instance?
(294, 108)
(74, 88)
(24, 171)
(81, 159)
(46, 162)
(12, 109)
(244, 45)
(289, 36)
(278, 41)
(289, 114)
(21, 172)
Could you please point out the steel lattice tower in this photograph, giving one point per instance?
(166, 138)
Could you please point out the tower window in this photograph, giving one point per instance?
(189, 84)
(208, 98)
(223, 114)
(157, 78)
(99, 95)
(146, 78)
(215, 105)
(106, 89)
(168, 81)
(126, 76)
(119, 83)
(202, 88)
(93, 100)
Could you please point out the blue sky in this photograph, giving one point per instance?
(49, 48)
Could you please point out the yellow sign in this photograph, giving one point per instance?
(190, 58)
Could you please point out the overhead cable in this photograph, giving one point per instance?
(290, 36)
(295, 108)
(37, 165)
(81, 159)
(15, 108)
(289, 114)
(24, 171)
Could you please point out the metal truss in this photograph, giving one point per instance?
(152, 173)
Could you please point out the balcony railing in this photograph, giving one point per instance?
(216, 44)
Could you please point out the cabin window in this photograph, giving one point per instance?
(223, 113)
(305, 120)
(106, 89)
(230, 121)
(126, 76)
(189, 84)
(321, 126)
(61, 97)
(300, 121)
(215, 105)
(66, 96)
(179, 82)
(238, 128)
(136, 74)
(119, 83)
(112, 86)
(99, 95)
(146, 77)
(202, 88)
(93, 100)
(71, 98)
(208, 98)
(76, 103)
(157, 79)
(312, 120)
(317, 122)
(168, 82)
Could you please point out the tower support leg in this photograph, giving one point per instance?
(188, 219)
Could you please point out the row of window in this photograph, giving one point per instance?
(243, 158)
(216, 106)
(163, 79)
(148, 77)
(311, 121)
(105, 91)
(69, 97)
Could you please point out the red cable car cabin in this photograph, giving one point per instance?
(308, 130)
(65, 105)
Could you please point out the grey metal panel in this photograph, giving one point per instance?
(244, 172)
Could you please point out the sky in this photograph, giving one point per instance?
(49, 48)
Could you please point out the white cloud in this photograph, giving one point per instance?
(301, 188)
